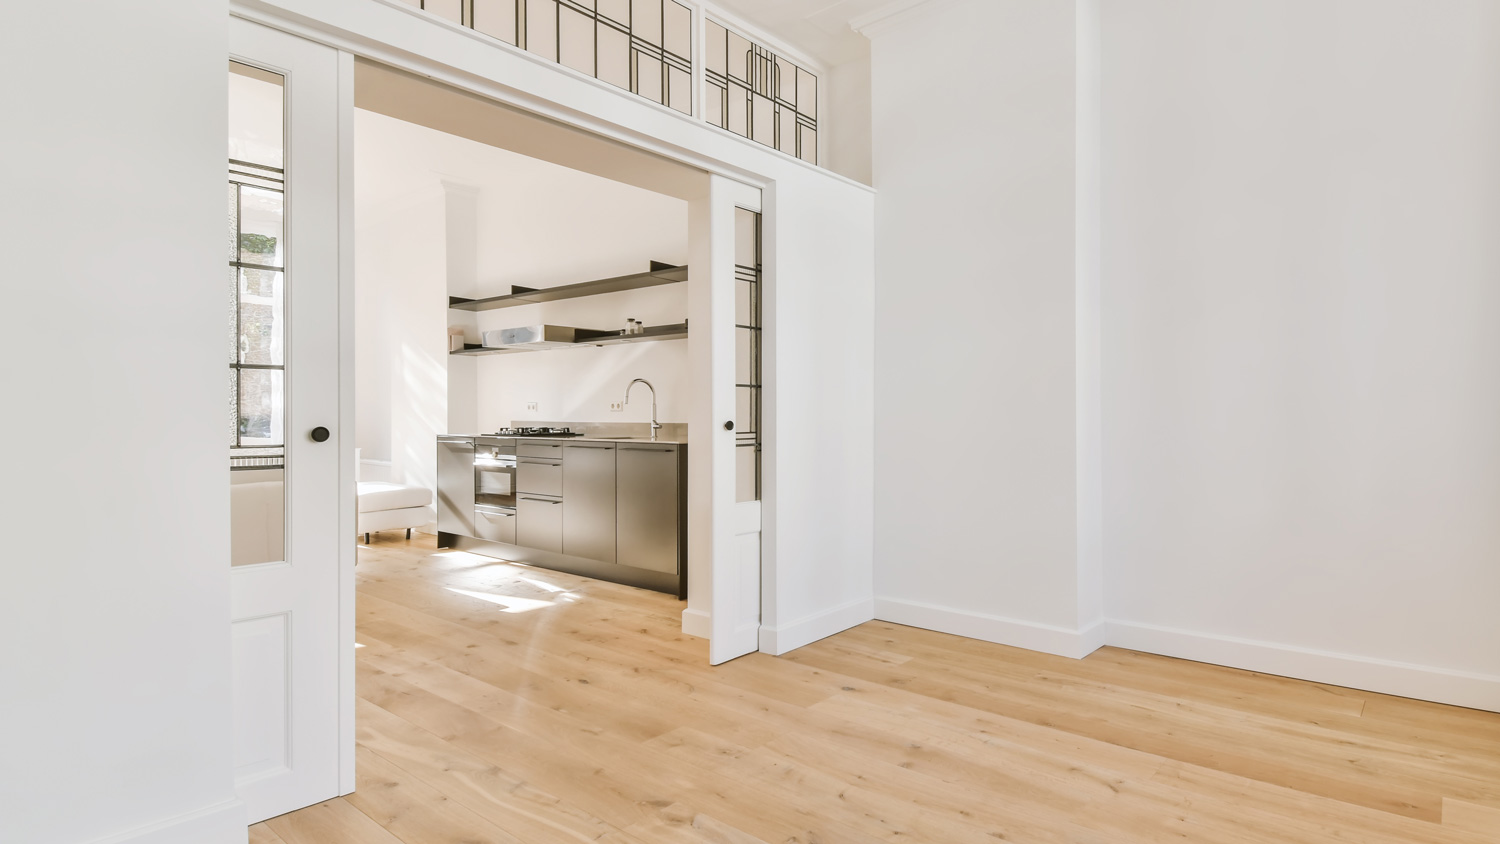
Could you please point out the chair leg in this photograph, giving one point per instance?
(408, 534)
(367, 539)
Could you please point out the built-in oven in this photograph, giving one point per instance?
(495, 473)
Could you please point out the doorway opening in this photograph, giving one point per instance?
(450, 203)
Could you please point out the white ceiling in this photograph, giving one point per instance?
(819, 28)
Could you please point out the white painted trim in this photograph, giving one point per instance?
(805, 631)
(1093, 637)
(1030, 635)
(384, 463)
(1421, 682)
(895, 14)
(348, 472)
(697, 623)
(221, 823)
(1458, 688)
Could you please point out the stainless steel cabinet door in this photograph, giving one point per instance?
(455, 487)
(495, 525)
(589, 504)
(539, 523)
(648, 486)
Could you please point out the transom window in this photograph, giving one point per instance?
(646, 47)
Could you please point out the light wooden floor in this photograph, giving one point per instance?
(502, 704)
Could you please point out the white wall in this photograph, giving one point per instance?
(114, 618)
(1302, 376)
(977, 502)
(847, 114)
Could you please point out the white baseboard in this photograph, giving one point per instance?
(221, 823)
(993, 628)
(805, 631)
(1440, 685)
(697, 623)
(1458, 688)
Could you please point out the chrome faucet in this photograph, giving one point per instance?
(654, 425)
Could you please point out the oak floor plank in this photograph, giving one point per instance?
(1469, 817)
(262, 834)
(413, 811)
(330, 822)
(1233, 741)
(485, 789)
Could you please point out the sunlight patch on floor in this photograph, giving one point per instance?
(542, 585)
(510, 603)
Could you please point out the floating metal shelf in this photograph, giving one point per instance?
(528, 296)
(587, 337)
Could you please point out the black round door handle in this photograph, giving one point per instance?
(319, 434)
(729, 426)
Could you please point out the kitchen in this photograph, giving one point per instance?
(505, 304)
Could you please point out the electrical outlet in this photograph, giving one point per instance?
(617, 406)
(531, 406)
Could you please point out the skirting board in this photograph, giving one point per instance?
(1458, 688)
(221, 823)
(697, 623)
(1030, 635)
(789, 637)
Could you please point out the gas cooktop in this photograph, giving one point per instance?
(535, 432)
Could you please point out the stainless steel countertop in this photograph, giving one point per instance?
(616, 440)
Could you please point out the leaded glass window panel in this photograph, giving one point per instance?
(747, 355)
(642, 46)
(759, 95)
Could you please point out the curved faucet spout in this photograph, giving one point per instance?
(654, 425)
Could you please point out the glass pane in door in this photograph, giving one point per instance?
(747, 355)
(257, 323)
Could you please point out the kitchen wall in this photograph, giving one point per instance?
(114, 618)
(401, 359)
(550, 226)
(441, 214)
(1302, 376)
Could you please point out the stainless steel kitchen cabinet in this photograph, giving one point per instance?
(539, 521)
(455, 499)
(588, 486)
(648, 485)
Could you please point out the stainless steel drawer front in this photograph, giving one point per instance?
(495, 525)
(539, 478)
(553, 450)
(539, 523)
